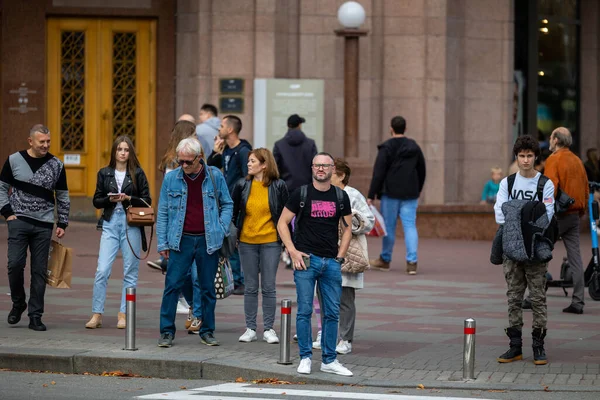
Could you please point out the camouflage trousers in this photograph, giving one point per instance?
(520, 276)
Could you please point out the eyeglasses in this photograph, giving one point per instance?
(322, 166)
(187, 162)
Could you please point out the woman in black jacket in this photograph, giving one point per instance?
(258, 202)
(120, 185)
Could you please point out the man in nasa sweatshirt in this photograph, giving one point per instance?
(520, 275)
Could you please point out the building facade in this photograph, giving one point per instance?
(464, 73)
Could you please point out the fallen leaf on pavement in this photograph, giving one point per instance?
(339, 384)
(44, 385)
(546, 389)
(240, 380)
(420, 386)
(53, 383)
(182, 387)
(271, 381)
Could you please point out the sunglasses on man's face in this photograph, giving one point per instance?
(187, 162)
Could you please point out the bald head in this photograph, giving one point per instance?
(187, 117)
(561, 137)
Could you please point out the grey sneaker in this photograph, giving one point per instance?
(166, 340)
(208, 339)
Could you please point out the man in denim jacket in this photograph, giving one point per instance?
(191, 227)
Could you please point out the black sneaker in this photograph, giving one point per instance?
(239, 290)
(14, 316)
(208, 339)
(166, 340)
(573, 310)
(36, 324)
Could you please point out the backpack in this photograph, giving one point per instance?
(304, 194)
(551, 231)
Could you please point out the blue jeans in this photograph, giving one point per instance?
(236, 268)
(193, 248)
(191, 291)
(326, 273)
(113, 238)
(391, 209)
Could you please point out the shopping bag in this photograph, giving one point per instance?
(379, 227)
(60, 260)
(224, 279)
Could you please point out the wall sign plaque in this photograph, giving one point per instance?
(23, 99)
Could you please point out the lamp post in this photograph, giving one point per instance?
(351, 15)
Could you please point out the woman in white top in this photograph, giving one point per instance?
(362, 222)
(121, 184)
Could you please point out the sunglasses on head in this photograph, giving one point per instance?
(187, 162)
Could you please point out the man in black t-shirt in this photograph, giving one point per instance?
(316, 259)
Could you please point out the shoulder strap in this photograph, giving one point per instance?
(340, 197)
(212, 179)
(540, 187)
(303, 196)
(511, 182)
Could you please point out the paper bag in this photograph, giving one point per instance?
(379, 227)
(59, 266)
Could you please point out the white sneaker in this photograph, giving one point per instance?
(343, 347)
(248, 336)
(270, 337)
(182, 306)
(336, 368)
(295, 338)
(305, 366)
(317, 343)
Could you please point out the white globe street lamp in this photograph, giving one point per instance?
(351, 15)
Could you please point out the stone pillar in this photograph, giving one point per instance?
(589, 85)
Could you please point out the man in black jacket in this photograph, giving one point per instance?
(294, 154)
(398, 179)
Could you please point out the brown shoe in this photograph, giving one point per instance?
(121, 321)
(94, 322)
(195, 326)
(190, 318)
(380, 264)
(411, 267)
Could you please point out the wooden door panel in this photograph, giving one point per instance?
(100, 79)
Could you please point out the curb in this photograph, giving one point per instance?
(192, 367)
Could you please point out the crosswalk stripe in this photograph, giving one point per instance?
(244, 388)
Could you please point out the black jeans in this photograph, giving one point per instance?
(21, 235)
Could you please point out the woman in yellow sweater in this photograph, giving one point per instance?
(258, 202)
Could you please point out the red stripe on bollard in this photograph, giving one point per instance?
(469, 331)
(130, 297)
(286, 310)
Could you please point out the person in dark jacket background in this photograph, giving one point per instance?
(294, 153)
(398, 179)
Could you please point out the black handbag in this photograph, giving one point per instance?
(562, 202)
(230, 242)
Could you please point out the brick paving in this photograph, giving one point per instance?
(409, 329)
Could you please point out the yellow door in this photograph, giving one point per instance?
(101, 76)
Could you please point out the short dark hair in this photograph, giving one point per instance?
(234, 123)
(210, 108)
(324, 153)
(526, 142)
(398, 124)
(342, 167)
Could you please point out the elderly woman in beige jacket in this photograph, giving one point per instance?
(362, 222)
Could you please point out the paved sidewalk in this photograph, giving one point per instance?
(409, 329)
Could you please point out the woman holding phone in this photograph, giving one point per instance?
(121, 184)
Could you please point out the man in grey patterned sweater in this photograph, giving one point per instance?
(32, 182)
